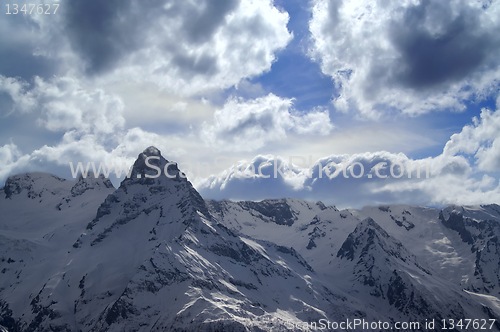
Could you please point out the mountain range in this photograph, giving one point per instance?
(153, 255)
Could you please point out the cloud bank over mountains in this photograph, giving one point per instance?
(457, 175)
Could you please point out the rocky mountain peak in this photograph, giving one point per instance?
(151, 168)
(34, 184)
(155, 184)
(375, 253)
(151, 151)
(367, 235)
(90, 182)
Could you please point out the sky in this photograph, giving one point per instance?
(344, 101)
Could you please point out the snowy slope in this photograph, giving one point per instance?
(479, 228)
(40, 215)
(314, 230)
(152, 255)
(152, 258)
(458, 243)
(382, 271)
(408, 263)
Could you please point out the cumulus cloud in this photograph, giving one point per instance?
(85, 148)
(253, 176)
(480, 139)
(64, 104)
(247, 125)
(409, 56)
(182, 49)
(92, 73)
(186, 47)
(90, 122)
(11, 158)
(16, 89)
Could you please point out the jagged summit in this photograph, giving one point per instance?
(151, 151)
(152, 168)
(90, 182)
(369, 244)
(481, 212)
(155, 184)
(153, 175)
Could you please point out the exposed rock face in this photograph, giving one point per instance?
(480, 229)
(90, 182)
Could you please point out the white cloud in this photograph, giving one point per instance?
(450, 181)
(92, 148)
(92, 124)
(480, 139)
(16, 89)
(120, 149)
(408, 56)
(91, 121)
(185, 47)
(64, 104)
(253, 180)
(455, 176)
(246, 125)
(174, 50)
(273, 177)
(117, 70)
(11, 158)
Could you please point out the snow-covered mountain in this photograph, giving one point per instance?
(152, 255)
(409, 262)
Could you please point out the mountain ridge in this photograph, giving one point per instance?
(152, 255)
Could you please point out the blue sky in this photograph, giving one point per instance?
(365, 82)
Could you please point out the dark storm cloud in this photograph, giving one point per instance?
(187, 46)
(459, 49)
(18, 41)
(104, 32)
(201, 24)
(18, 61)
(100, 31)
(411, 57)
(191, 66)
